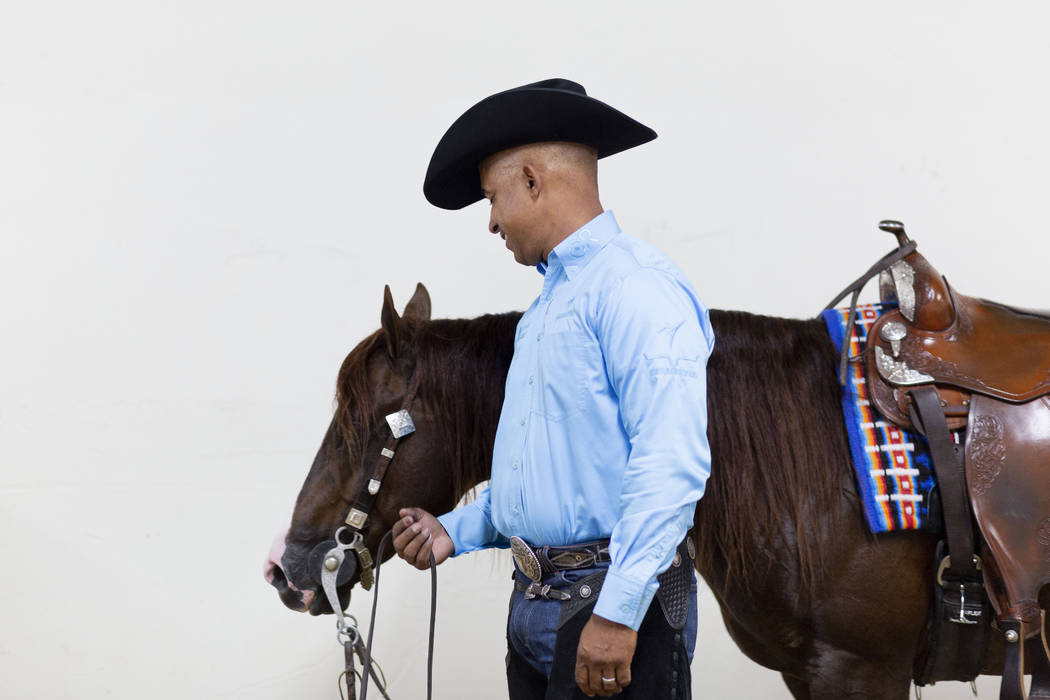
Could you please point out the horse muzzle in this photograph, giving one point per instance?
(285, 571)
(298, 575)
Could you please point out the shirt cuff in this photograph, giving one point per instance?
(470, 529)
(624, 600)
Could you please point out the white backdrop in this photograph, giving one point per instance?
(201, 201)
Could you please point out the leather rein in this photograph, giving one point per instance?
(337, 568)
(906, 247)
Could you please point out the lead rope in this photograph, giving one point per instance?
(366, 661)
(350, 675)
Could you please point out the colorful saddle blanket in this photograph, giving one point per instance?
(893, 465)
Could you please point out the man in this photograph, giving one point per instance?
(601, 451)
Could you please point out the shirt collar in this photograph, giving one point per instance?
(573, 253)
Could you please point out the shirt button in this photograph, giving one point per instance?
(539, 337)
(532, 379)
(550, 297)
(523, 421)
(625, 608)
(515, 465)
(578, 250)
(515, 510)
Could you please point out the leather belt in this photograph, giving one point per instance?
(540, 562)
(674, 593)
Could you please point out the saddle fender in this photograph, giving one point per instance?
(1008, 478)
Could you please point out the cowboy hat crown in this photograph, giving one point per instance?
(550, 110)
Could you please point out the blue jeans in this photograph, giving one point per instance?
(532, 625)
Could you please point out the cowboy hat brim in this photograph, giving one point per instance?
(554, 110)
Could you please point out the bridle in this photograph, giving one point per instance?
(401, 425)
(336, 568)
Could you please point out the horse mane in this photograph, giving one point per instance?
(777, 464)
(778, 446)
(463, 367)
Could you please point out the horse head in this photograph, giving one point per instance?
(373, 383)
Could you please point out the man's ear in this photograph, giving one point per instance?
(391, 323)
(418, 307)
(532, 179)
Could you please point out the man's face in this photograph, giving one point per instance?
(513, 214)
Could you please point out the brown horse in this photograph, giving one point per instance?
(781, 539)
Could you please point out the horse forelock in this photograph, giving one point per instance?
(354, 414)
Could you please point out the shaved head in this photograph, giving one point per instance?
(540, 193)
(565, 162)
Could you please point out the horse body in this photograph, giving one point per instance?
(781, 540)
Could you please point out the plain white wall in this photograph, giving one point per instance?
(201, 201)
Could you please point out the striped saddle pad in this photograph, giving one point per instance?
(893, 465)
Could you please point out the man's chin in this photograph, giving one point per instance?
(522, 260)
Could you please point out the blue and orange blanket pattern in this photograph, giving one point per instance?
(893, 466)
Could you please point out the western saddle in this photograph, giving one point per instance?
(942, 361)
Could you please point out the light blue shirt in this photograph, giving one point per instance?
(603, 431)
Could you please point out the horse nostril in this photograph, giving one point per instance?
(273, 560)
(274, 575)
(290, 595)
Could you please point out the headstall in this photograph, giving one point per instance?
(331, 555)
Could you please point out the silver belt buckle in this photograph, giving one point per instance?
(526, 559)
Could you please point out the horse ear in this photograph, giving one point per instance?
(391, 323)
(418, 307)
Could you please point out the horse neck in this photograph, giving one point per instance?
(777, 446)
(466, 370)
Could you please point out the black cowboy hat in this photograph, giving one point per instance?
(550, 110)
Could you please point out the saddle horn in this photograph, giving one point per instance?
(897, 229)
(923, 294)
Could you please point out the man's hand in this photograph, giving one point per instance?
(417, 534)
(605, 651)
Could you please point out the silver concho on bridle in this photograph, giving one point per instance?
(400, 423)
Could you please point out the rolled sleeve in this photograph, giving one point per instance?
(470, 526)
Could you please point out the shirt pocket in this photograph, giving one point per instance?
(563, 390)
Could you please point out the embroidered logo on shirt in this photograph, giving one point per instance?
(666, 364)
(670, 363)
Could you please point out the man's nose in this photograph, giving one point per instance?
(493, 225)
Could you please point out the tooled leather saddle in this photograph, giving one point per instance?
(944, 361)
